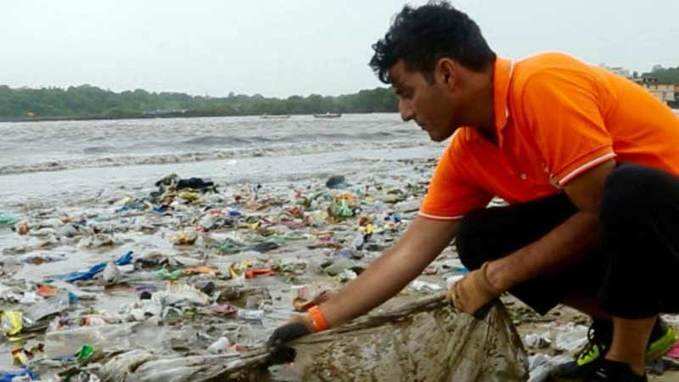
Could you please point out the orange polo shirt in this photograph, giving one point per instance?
(556, 118)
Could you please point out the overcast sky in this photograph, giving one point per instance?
(284, 47)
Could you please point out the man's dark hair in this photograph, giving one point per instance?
(421, 36)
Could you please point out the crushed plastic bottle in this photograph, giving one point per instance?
(251, 314)
(47, 307)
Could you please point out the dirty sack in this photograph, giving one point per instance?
(426, 340)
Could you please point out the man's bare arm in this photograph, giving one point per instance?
(422, 242)
(567, 244)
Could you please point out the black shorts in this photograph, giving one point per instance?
(631, 271)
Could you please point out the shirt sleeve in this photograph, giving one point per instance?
(451, 194)
(563, 113)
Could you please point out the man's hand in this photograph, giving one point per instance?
(473, 292)
(297, 326)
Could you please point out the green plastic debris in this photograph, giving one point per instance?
(7, 219)
(164, 274)
(230, 246)
(85, 353)
(340, 209)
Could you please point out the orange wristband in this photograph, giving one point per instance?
(317, 319)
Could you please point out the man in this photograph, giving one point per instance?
(588, 162)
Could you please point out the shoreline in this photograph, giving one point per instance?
(164, 116)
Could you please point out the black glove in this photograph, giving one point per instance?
(280, 353)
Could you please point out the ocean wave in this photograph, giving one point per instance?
(215, 140)
(198, 156)
(98, 149)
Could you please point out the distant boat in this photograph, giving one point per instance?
(328, 115)
(275, 116)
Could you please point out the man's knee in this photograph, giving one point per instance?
(627, 193)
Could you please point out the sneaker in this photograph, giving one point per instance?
(599, 337)
(612, 371)
(663, 338)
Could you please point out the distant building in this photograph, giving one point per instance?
(619, 70)
(664, 92)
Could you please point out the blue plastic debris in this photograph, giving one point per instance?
(125, 259)
(160, 209)
(24, 374)
(396, 218)
(94, 270)
(83, 275)
(72, 298)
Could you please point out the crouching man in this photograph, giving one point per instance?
(588, 162)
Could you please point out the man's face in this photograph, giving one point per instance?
(431, 105)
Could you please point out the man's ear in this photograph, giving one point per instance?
(445, 72)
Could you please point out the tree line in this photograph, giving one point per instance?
(88, 101)
(664, 75)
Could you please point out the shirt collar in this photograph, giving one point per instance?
(502, 75)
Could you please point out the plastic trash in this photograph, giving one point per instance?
(265, 246)
(423, 286)
(230, 246)
(184, 238)
(164, 274)
(453, 279)
(111, 274)
(96, 241)
(571, 337)
(125, 259)
(180, 293)
(341, 209)
(256, 272)
(95, 269)
(540, 366)
(347, 275)
(29, 298)
(338, 266)
(201, 270)
(11, 322)
(67, 342)
(7, 219)
(220, 346)
(23, 228)
(23, 375)
(336, 181)
(537, 340)
(358, 241)
(84, 275)
(674, 352)
(20, 356)
(251, 314)
(47, 307)
(85, 353)
(46, 290)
